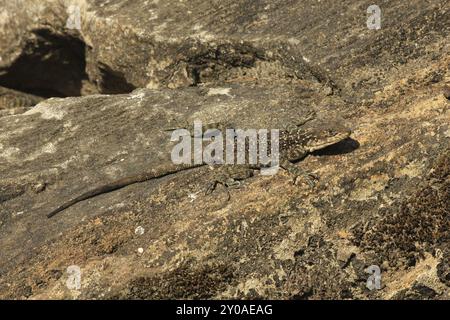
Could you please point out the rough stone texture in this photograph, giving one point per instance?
(383, 197)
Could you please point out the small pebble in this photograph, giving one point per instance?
(39, 187)
(139, 231)
(140, 250)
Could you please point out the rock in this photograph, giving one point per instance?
(116, 51)
(135, 68)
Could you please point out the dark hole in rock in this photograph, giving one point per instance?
(113, 82)
(50, 65)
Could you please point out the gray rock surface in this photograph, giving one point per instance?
(137, 67)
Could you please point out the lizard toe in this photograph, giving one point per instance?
(234, 184)
(210, 187)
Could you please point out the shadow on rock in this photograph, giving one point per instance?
(345, 146)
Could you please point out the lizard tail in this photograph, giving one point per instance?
(88, 195)
(118, 185)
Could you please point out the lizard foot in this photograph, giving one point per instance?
(310, 178)
(231, 177)
(297, 172)
(229, 184)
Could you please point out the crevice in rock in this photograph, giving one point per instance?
(50, 65)
(211, 64)
(113, 82)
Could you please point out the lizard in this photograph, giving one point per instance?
(296, 142)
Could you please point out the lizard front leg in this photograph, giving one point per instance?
(296, 171)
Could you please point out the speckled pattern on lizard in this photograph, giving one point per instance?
(296, 142)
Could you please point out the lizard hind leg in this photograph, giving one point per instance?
(297, 172)
(227, 184)
(230, 177)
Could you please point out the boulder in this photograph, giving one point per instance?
(132, 69)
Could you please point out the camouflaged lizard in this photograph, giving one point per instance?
(295, 143)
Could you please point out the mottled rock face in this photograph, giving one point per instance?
(121, 72)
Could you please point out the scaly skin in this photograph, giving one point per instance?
(296, 142)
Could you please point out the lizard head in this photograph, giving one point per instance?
(313, 136)
(324, 135)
